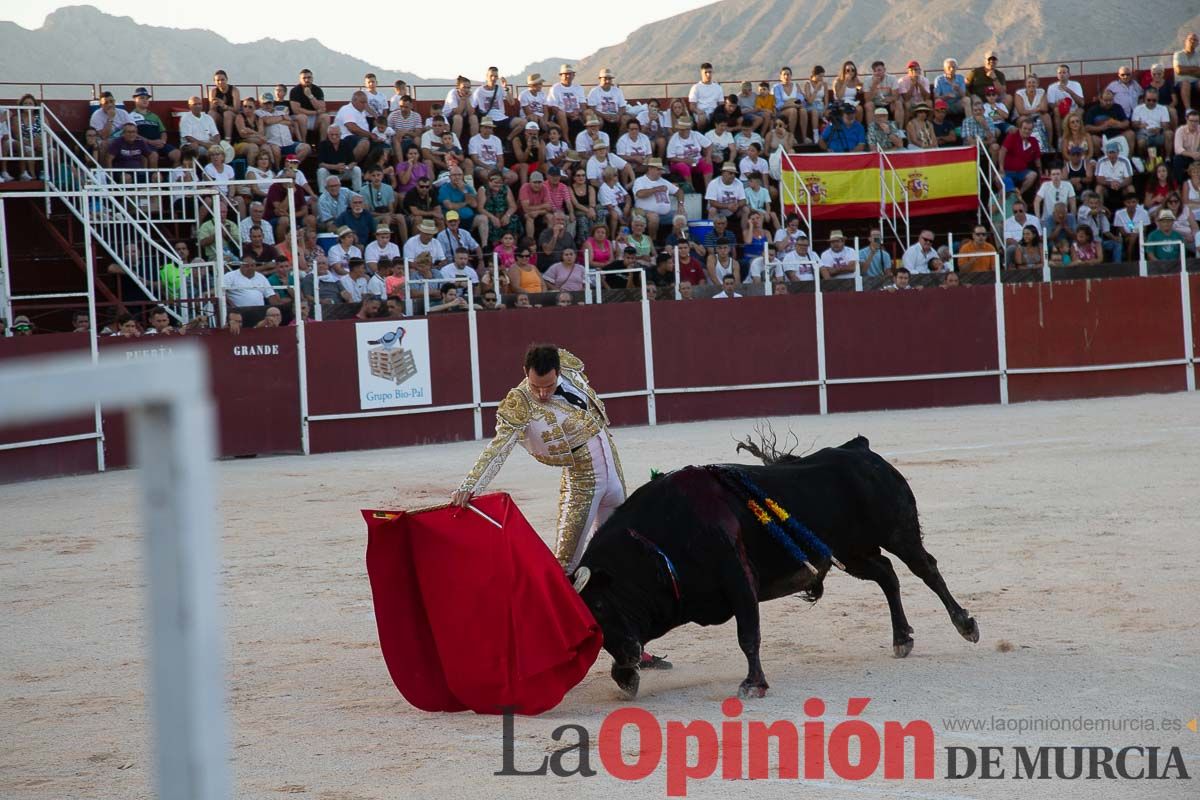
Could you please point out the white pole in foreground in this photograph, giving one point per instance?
(172, 428)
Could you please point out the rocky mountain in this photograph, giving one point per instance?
(110, 49)
(547, 67)
(751, 39)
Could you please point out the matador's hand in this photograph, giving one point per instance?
(460, 498)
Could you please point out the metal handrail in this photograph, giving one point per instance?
(991, 175)
(806, 215)
(885, 168)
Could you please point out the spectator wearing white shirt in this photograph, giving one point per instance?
(728, 284)
(704, 96)
(586, 140)
(487, 151)
(461, 267)
(488, 100)
(343, 250)
(601, 160)
(353, 285)
(424, 242)
(197, 128)
(255, 218)
(1113, 174)
(111, 117)
(457, 109)
(1130, 219)
(635, 146)
(533, 101)
(1050, 194)
(1064, 96)
(918, 258)
(767, 261)
(1151, 123)
(690, 154)
(246, 287)
(798, 263)
(652, 195)
(726, 196)
(1014, 229)
(566, 101)
(608, 102)
(377, 104)
(838, 261)
(351, 119)
(382, 247)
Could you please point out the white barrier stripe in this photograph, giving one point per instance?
(78, 437)
(1171, 362)
(396, 412)
(735, 388)
(929, 376)
(48, 296)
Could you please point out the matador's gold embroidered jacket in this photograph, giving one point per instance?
(549, 431)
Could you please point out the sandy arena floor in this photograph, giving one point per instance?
(1065, 528)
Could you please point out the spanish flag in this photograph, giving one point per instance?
(851, 185)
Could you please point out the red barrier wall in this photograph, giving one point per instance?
(333, 389)
(1093, 322)
(732, 342)
(254, 380)
(928, 331)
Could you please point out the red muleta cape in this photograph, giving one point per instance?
(472, 616)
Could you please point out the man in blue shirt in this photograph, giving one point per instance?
(845, 135)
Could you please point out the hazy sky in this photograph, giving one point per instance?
(485, 33)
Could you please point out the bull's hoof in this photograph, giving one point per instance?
(902, 649)
(749, 689)
(628, 681)
(969, 630)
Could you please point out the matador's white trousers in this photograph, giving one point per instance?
(589, 493)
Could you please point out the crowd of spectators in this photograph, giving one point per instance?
(517, 197)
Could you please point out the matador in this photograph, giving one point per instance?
(556, 416)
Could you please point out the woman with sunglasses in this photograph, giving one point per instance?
(523, 276)
(848, 87)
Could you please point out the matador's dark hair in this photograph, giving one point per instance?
(541, 358)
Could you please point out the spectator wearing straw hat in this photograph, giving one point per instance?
(381, 247)
(425, 242)
(343, 250)
(608, 102)
(652, 195)
(1164, 231)
(838, 261)
(566, 101)
(586, 140)
(726, 196)
(533, 102)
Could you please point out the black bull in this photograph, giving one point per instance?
(685, 548)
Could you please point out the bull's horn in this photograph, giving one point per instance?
(582, 575)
